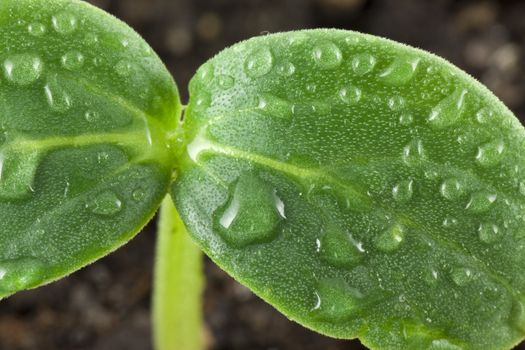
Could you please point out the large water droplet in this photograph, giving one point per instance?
(363, 64)
(225, 81)
(259, 63)
(335, 300)
(403, 191)
(73, 60)
(252, 215)
(350, 94)
(327, 55)
(400, 71)
(414, 153)
(452, 189)
(490, 153)
(481, 202)
(390, 240)
(339, 248)
(106, 204)
(64, 23)
(36, 29)
(449, 110)
(23, 69)
(488, 232)
(57, 98)
(22, 273)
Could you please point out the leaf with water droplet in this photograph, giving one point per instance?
(388, 186)
(79, 146)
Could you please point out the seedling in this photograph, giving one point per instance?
(362, 187)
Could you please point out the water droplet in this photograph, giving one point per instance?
(106, 204)
(400, 71)
(363, 64)
(414, 153)
(91, 39)
(490, 153)
(225, 81)
(259, 63)
(452, 189)
(517, 315)
(274, 106)
(124, 68)
(521, 187)
(57, 98)
(311, 88)
(339, 248)
(91, 116)
(443, 344)
(396, 103)
(484, 115)
(285, 68)
(64, 23)
(73, 60)
(461, 276)
(390, 240)
(450, 222)
(352, 40)
(335, 300)
(488, 232)
(206, 73)
(403, 191)
(327, 55)
(481, 202)
(203, 100)
(406, 119)
(449, 110)
(252, 215)
(23, 69)
(138, 194)
(102, 157)
(36, 29)
(21, 273)
(350, 94)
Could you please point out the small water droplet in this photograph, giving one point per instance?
(339, 248)
(352, 40)
(350, 94)
(521, 187)
(390, 240)
(91, 39)
(451, 189)
(57, 98)
(124, 68)
(206, 73)
(490, 153)
(335, 300)
(64, 23)
(311, 88)
(414, 153)
(443, 344)
(481, 202)
(461, 276)
(450, 222)
(36, 29)
(274, 106)
(484, 115)
(285, 68)
(517, 315)
(449, 110)
(252, 214)
(91, 116)
(403, 191)
(73, 60)
(23, 69)
(102, 157)
(396, 103)
(259, 63)
(363, 64)
(488, 232)
(21, 273)
(225, 81)
(203, 100)
(106, 204)
(138, 194)
(400, 71)
(327, 55)
(406, 119)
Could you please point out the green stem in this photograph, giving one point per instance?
(178, 285)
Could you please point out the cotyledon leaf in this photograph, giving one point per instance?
(363, 187)
(84, 162)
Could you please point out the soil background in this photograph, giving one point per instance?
(106, 305)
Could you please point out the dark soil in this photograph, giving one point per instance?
(106, 305)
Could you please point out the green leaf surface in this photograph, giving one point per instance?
(362, 187)
(84, 164)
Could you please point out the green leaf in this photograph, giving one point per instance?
(84, 105)
(362, 187)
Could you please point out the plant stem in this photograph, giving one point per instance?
(178, 285)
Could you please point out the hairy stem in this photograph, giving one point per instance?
(178, 284)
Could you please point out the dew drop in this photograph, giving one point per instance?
(91, 116)
(203, 100)
(73, 60)
(517, 315)
(327, 55)
(443, 344)
(138, 194)
(57, 98)
(64, 23)
(461, 276)
(21, 273)
(274, 106)
(206, 73)
(406, 119)
(259, 63)
(311, 88)
(484, 115)
(124, 68)
(521, 187)
(285, 68)
(105, 204)
(252, 214)
(23, 69)
(225, 81)
(481, 202)
(414, 153)
(449, 110)
(390, 240)
(396, 103)
(403, 191)
(488, 232)
(335, 300)
(36, 29)
(339, 248)
(450, 222)
(490, 153)
(400, 71)
(350, 94)
(451, 189)
(363, 64)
